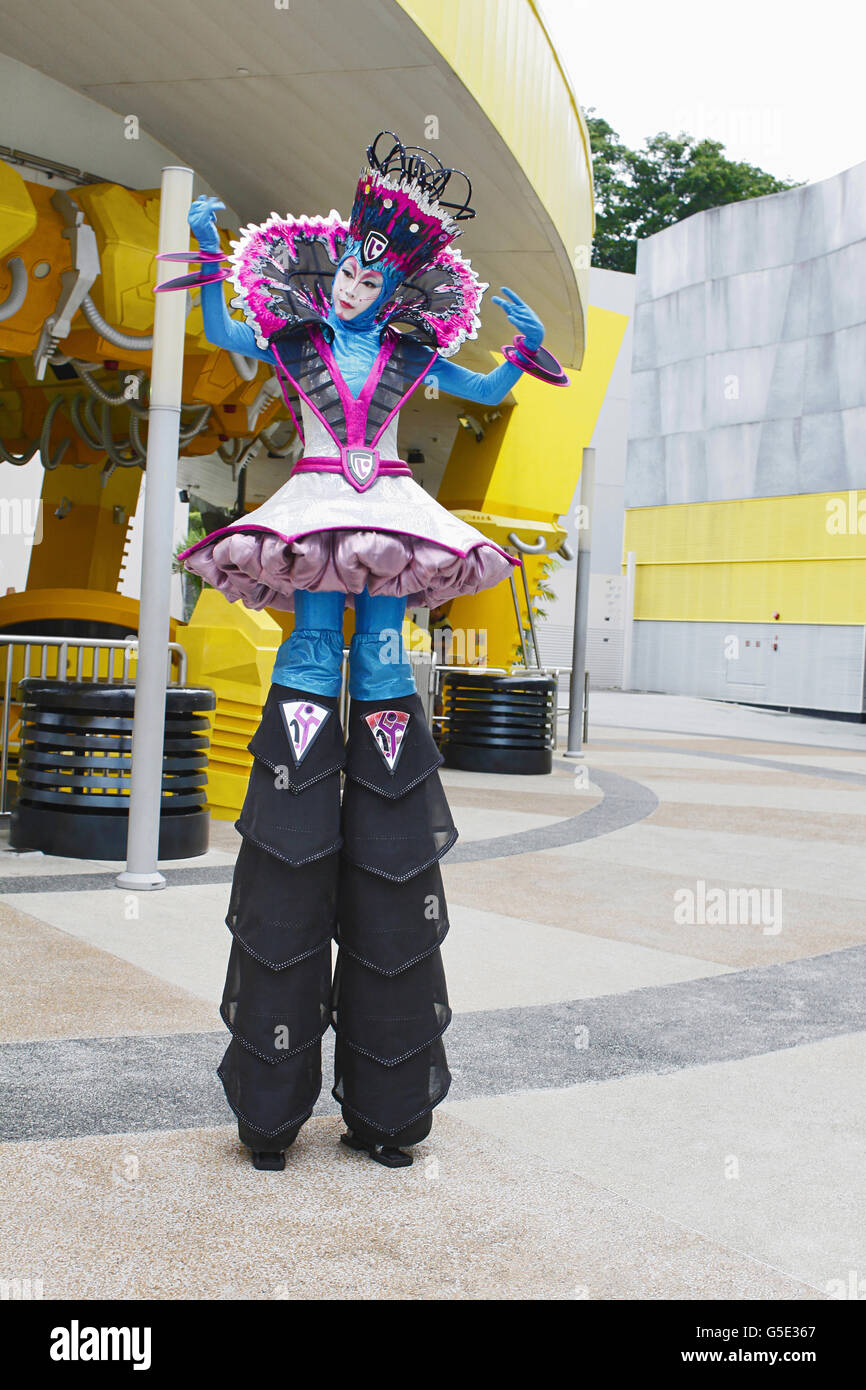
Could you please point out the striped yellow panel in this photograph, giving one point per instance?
(803, 557)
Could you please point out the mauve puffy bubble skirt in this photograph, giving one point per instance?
(318, 533)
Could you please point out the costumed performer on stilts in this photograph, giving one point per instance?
(353, 317)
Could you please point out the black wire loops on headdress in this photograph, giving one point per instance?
(415, 164)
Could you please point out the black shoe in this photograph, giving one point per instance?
(385, 1154)
(269, 1160)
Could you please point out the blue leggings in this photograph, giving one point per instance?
(311, 658)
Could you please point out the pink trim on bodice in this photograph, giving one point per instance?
(354, 408)
(359, 466)
(281, 369)
(313, 463)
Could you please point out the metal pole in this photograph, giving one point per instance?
(518, 615)
(531, 614)
(628, 620)
(581, 607)
(160, 488)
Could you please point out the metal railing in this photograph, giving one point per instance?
(438, 671)
(120, 653)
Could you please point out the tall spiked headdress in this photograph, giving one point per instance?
(406, 214)
(401, 218)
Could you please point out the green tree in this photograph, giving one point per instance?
(192, 584)
(638, 192)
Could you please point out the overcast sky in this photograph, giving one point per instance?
(779, 84)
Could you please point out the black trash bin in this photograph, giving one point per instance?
(74, 763)
(498, 723)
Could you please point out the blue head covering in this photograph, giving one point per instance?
(366, 320)
(356, 341)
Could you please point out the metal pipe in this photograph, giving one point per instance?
(531, 614)
(128, 341)
(581, 609)
(246, 367)
(524, 547)
(230, 452)
(192, 430)
(156, 573)
(281, 451)
(519, 617)
(628, 620)
(17, 290)
(113, 449)
(93, 442)
(92, 422)
(135, 436)
(107, 397)
(19, 459)
(50, 460)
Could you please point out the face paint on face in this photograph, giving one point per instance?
(355, 289)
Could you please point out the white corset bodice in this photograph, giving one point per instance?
(318, 443)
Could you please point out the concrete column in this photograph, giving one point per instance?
(153, 633)
(581, 606)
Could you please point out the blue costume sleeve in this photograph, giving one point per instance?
(224, 331)
(489, 388)
(219, 326)
(486, 388)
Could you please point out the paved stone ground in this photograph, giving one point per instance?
(657, 963)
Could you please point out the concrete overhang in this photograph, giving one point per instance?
(274, 107)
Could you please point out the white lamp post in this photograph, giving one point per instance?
(156, 556)
(581, 606)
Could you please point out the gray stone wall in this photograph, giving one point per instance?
(749, 362)
(790, 665)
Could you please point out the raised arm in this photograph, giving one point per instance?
(219, 326)
(490, 388)
(486, 388)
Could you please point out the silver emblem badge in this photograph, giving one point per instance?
(361, 467)
(375, 243)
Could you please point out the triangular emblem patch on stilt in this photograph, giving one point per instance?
(303, 720)
(388, 727)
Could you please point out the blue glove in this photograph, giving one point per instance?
(525, 320)
(201, 217)
(219, 327)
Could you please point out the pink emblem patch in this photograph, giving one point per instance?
(388, 727)
(303, 720)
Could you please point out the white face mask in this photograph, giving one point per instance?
(355, 289)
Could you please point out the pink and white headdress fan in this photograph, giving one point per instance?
(402, 225)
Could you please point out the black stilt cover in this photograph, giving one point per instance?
(282, 916)
(389, 1001)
